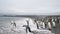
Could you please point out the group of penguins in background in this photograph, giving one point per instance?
(48, 23)
(43, 23)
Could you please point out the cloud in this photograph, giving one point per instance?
(30, 7)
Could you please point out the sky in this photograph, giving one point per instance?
(30, 7)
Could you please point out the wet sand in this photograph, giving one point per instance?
(57, 29)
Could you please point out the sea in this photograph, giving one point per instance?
(7, 28)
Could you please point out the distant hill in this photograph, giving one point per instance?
(29, 15)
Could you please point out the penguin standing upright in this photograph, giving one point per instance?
(13, 23)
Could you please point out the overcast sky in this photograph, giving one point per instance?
(30, 7)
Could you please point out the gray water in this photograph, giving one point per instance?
(6, 20)
(5, 26)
